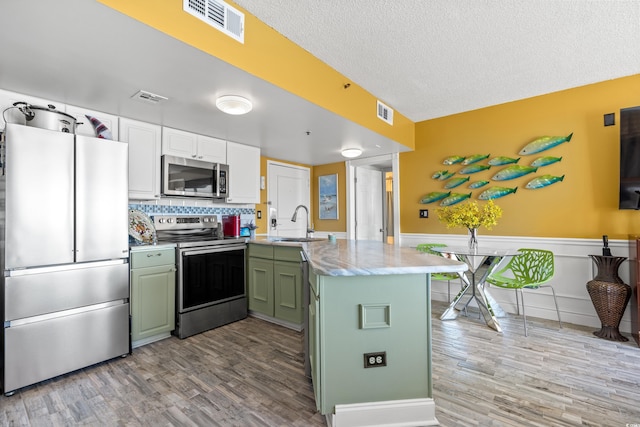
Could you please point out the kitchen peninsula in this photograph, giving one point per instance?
(370, 330)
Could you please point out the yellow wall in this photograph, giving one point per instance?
(584, 205)
(315, 171)
(273, 58)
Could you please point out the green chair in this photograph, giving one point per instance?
(448, 277)
(531, 269)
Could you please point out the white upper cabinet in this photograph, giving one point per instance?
(244, 173)
(145, 142)
(85, 127)
(193, 146)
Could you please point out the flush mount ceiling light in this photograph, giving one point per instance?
(232, 104)
(351, 152)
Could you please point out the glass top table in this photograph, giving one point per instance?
(482, 261)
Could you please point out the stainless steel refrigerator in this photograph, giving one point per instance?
(64, 253)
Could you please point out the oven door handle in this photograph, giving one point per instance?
(212, 249)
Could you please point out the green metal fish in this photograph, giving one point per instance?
(454, 198)
(474, 159)
(445, 176)
(438, 174)
(545, 161)
(452, 160)
(502, 160)
(473, 169)
(543, 181)
(496, 192)
(512, 172)
(544, 143)
(434, 196)
(478, 184)
(456, 182)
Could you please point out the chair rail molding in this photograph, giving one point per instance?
(574, 268)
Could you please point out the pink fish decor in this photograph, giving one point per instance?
(101, 130)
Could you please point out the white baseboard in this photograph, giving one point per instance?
(394, 413)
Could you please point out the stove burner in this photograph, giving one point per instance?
(191, 231)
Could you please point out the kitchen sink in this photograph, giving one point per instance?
(296, 239)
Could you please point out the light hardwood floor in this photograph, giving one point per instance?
(250, 373)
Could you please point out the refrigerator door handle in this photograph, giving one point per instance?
(64, 267)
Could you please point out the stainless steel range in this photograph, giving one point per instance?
(211, 288)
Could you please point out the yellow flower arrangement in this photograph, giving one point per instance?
(470, 215)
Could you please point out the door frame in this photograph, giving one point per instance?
(392, 160)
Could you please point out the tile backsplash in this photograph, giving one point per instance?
(246, 214)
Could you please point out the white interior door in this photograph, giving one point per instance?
(369, 204)
(289, 186)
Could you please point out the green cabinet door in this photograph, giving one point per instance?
(152, 301)
(260, 273)
(288, 291)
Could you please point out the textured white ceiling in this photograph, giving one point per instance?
(432, 58)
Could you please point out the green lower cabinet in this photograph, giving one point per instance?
(261, 286)
(287, 285)
(275, 283)
(153, 291)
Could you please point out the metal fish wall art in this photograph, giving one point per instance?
(452, 160)
(439, 173)
(502, 160)
(545, 161)
(544, 143)
(512, 172)
(452, 183)
(496, 192)
(478, 184)
(434, 196)
(543, 181)
(446, 176)
(454, 198)
(474, 159)
(473, 169)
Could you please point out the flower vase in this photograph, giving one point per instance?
(473, 239)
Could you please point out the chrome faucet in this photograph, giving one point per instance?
(295, 216)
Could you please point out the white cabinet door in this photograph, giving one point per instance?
(179, 143)
(244, 173)
(212, 150)
(86, 128)
(193, 146)
(144, 158)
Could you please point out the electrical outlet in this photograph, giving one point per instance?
(375, 360)
(259, 214)
(424, 213)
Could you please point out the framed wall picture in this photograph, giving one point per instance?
(328, 195)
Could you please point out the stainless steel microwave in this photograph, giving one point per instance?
(183, 177)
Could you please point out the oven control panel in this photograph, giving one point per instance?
(168, 222)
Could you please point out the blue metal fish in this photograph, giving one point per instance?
(545, 161)
(544, 143)
(454, 198)
(543, 181)
(438, 174)
(474, 159)
(452, 160)
(502, 160)
(434, 196)
(456, 182)
(496, 192)
(478, 184)
(446, 176)
(473, 169)
(512, 172)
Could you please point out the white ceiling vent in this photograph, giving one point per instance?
(149, 97)
(385, 113)
(219, 15)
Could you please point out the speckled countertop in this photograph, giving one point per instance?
(365, 258)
